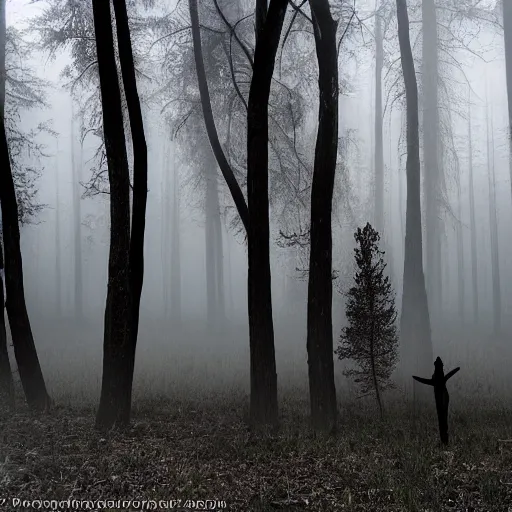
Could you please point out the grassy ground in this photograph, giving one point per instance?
(200, 448)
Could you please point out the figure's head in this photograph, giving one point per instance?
(438, 363)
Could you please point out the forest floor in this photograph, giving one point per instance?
(201, 449)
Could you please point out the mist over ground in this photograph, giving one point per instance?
(203, 377)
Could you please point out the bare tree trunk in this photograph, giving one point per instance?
(460, 254)
(77, 217)
(375, 382)
(25, 352)
(176, 249)
(117, 341)
(493, 225)
(140, 194)
(319, 329)
(211, 289)
(263, 409)
(261, 328)
(507, 32)
(401, 195)
(231, 306)
(432, 177)
(415, 322)
(3, 72)
(219, 257)
(211, 129)
(379, 145)
(165, 229)
(6, 380)
(474, 260)
(58, 262)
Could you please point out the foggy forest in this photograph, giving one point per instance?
(255, 255)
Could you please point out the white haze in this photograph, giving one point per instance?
(172, 358)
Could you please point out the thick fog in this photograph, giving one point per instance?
(194, 326)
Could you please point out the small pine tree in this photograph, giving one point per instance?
(370, 339)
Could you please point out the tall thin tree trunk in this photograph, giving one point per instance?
(379, 144)
(401, 191)
(219, 257)
(229, 278)
(58, 261)
(117, 342)
(165, 228)
(415, 322)
(431, 169)
(261, 328)
(472, 220)
(507, 32)
(77, 217)
(6, 380)
(493, 225)
(140, 194)
(211, 288)
(460, 254)
(25, 352)
(319, 325)
(263, 408)
(175, 248)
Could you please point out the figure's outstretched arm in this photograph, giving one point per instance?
(430, 382)
(452, 373)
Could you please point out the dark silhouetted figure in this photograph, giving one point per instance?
(442, 397)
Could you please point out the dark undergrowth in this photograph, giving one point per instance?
(200, 448)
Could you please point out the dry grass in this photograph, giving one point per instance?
(200, 448)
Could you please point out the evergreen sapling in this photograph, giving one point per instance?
(370, 339)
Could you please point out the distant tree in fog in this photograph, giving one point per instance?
(23, 341)
(472, 219)
(415, 333)
(507, 32)
(493, 224)
(370, 339)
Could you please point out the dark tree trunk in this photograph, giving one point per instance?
(25, 352)
(474, 259)
(227, 172)
(6, 380)
(117, 350)
(431, 168)
(77, 218)
(379, 145)
(23, 341)
(140, 186)
(507, 31)
(319, 329)
(263, 409)
(3, 35)
(493, 226)
(261, 329)
(415, 322)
